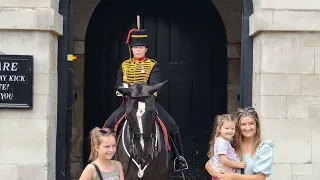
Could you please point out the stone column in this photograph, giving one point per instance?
(82, 14)
(28, 137)
(230, 13)
(286, 83)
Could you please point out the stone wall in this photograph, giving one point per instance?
(77, 115)
(82, 14)
(286, 84)
(230, 12)
(28, 137)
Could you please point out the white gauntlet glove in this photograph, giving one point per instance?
(122, 85)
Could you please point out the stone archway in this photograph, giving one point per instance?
(82, 14)
(189, 57)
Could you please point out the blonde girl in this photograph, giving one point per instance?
(222, 155)
(103, 148)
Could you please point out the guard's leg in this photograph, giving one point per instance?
(115, 117)
(167, 119)
(179, 162)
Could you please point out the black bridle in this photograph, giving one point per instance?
(138, 135)
(151, 135)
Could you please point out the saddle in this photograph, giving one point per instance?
(163, 127)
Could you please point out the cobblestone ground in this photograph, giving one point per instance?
(196, 171)
(191, 174)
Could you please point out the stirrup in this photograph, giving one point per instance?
(180, 158)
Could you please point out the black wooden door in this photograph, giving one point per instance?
(191, 50)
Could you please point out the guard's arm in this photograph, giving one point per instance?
(120, 82)
(155, 76)
(119, 77)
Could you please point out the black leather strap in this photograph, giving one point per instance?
(98, 171)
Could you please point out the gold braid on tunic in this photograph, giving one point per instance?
(137, 71)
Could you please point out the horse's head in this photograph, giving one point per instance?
(141, 116)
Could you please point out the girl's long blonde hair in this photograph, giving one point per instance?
(216, 130)
(95, 140)
(238, 140)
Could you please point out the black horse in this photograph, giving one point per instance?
(143, 147)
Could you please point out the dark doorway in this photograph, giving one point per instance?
(188, 39)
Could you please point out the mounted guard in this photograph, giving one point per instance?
(145, 70)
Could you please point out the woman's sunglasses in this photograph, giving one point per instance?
(248, 109)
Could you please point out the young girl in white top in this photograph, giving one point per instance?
(222, 155)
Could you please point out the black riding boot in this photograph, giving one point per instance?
(179, 162)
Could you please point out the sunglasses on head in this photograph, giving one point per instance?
(105, 132)
(247, 109)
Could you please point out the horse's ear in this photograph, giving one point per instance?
(125, 91)
(157, 87)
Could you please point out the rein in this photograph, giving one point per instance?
(130, 155)
(153, 136)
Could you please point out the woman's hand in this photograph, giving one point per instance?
(242, 165)
(226, 176)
